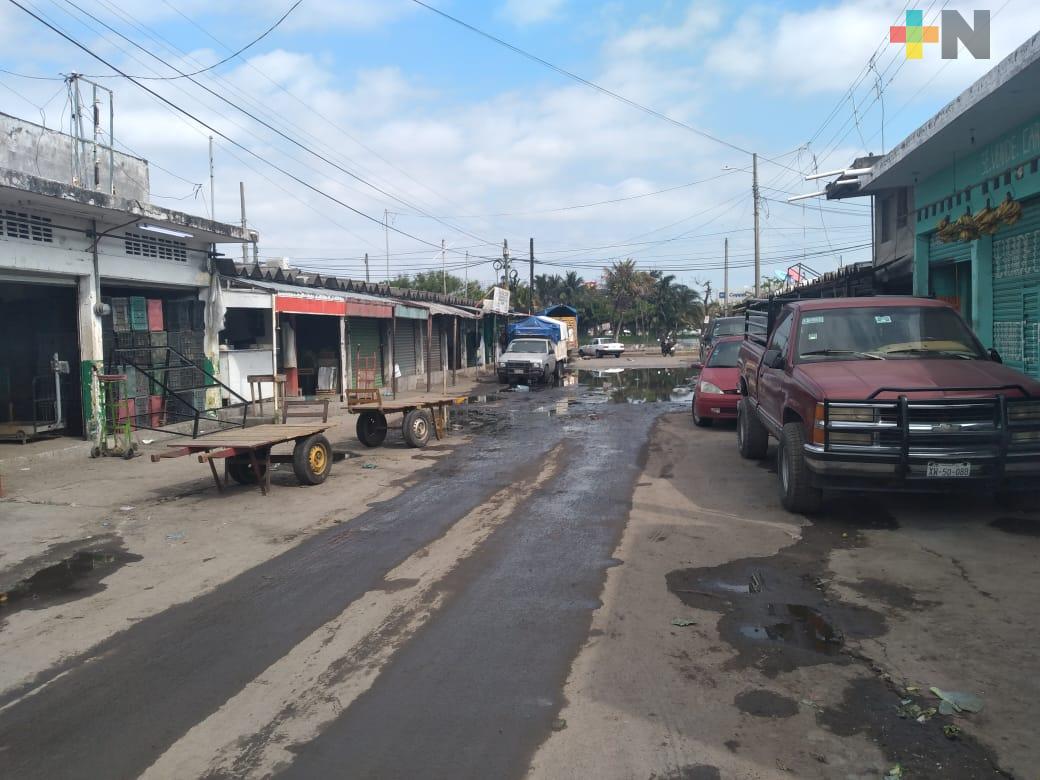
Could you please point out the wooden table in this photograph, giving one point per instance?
(247, 457)
(256, 381)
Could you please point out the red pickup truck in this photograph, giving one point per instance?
(884, 393)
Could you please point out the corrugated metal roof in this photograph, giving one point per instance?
(315, 292)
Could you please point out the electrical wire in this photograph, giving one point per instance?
(264, 123)
(214, 130)
(230, 57)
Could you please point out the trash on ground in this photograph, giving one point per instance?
(522, 389)
(370, 466)
(683, 622)
(25, 468)
(756, 583)
(908, 710)
(559, 724)
(126, 509)
(147, 441)
(957, 701)
(176, 536)
(951, 732)
(894, 772)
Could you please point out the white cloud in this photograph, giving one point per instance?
(823, 49)
(700, 20)
(524, 12)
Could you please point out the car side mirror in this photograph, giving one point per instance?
(995, 356)
(773, 358)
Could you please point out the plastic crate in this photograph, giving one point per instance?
(121, 315)
(138, 313)
(155, 314)
(158, 338)
(141, 339)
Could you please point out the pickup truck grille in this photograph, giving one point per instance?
(987, 431)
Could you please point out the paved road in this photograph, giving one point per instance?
(589, 589)
(474, 686)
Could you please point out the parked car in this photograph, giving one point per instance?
(602, 346)
(531, 360)
(715, 392)
(883, 393)
(720, 326)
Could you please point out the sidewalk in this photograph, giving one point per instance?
(166, 535)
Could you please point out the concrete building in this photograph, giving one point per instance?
(69, 252)
(973, 207)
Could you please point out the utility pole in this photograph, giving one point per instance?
(386, 234)
(366, 268)
(242, 199)
(505, 263)
(465, 271)
(212, 204)
(754, 194)
(444, 271)
(531, 277)
(725, 279)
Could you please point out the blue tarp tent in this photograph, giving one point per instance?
(537, 327)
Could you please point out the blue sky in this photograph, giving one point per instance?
(474, 143)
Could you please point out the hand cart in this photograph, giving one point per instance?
(247, 456)
(421, 415)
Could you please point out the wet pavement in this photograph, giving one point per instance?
(538, 576)
(589, 587)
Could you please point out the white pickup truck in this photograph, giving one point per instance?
(602, 346)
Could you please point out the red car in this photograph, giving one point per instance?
(715, 394)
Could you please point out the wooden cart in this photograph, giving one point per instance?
(423, 414)
(247, 456)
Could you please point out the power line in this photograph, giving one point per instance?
(230, 57)
(590, 84)
(263, 122)
(35, 78)
(214, 130)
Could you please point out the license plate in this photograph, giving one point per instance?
(948, 470)
(518, 371)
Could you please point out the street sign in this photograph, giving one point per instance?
(498, 302)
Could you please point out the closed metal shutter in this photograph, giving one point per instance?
(1016, 291)
(955, 251)
(363, 334)
(436, 353)
(404, 347)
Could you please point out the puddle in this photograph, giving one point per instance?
(797, 625)
(1023, 526)
(76, 576)
(765, 704)
(636, 385)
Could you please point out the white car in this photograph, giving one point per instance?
(601, 347)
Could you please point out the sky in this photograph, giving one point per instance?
(352, 109)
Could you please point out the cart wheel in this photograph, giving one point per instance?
(128, 454)
(241, 470)
(312, 459)
(95, 452)
(371, 428)
(417, 428)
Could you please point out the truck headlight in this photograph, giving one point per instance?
(709, 388)
(860, 414)
(1025, 437)
(1024, 411)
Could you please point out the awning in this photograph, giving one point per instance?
(294, 299)
(401, 311)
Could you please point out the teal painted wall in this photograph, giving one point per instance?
(990, 173)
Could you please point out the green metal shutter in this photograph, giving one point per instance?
(1016, 291)
(404, 346)
(363, 333)
(955, 251)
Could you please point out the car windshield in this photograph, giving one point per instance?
(729, 327)
(528, 345)
(885, 333)
(724, 355)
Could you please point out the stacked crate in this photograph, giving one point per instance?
(138, 331)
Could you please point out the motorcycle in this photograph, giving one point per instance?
(667, 348)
